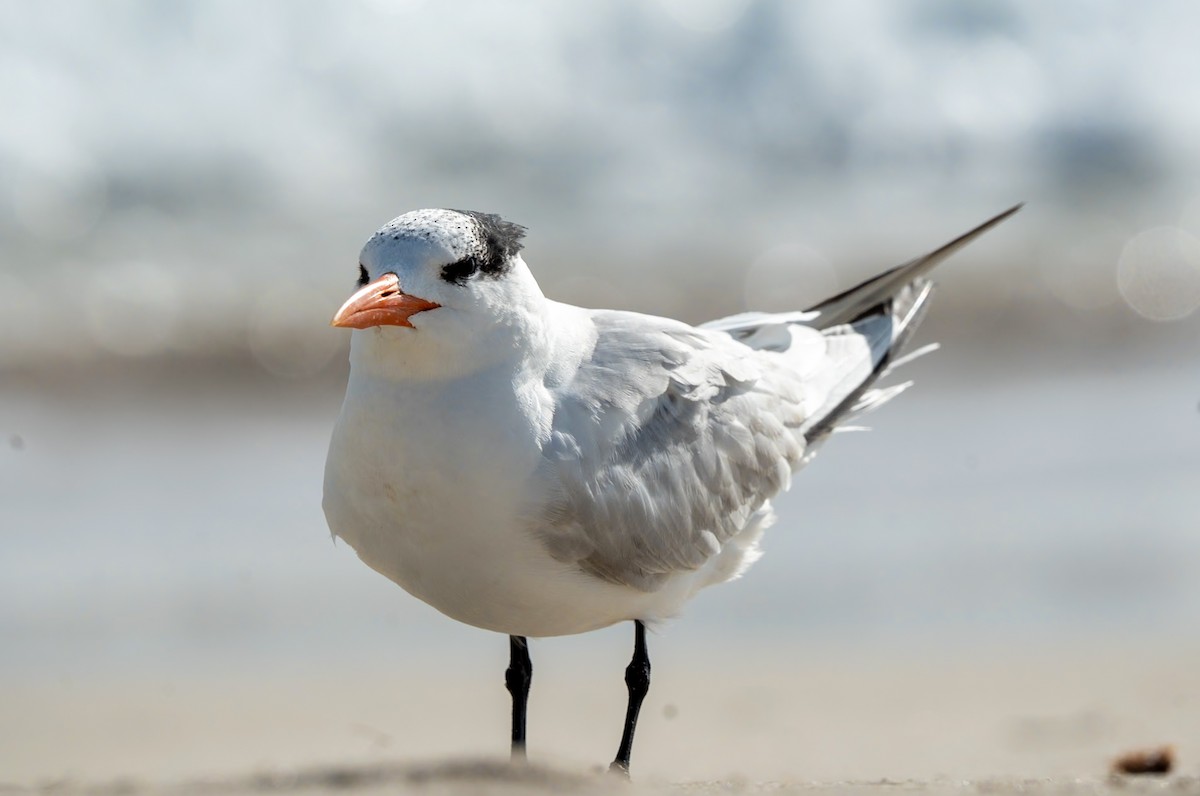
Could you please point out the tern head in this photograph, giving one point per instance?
(441, 292)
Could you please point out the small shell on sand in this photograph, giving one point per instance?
(1157, 760)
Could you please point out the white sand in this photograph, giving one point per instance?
(844, 723)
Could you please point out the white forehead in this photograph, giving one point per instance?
(430, 235)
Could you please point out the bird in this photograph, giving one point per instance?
(539, 469)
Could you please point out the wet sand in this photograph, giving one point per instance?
(757, 722)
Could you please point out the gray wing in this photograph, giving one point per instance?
(670, 438)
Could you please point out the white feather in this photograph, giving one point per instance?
(539, 469)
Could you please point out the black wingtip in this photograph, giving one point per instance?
(967, 237)
(998, 218)
(852, 303)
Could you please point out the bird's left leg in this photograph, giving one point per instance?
(637, 679)
(517, 680)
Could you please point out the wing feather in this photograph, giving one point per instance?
(670, 441)
(663, 446)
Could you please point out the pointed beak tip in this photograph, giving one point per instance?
(380, 303)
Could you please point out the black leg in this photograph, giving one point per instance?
(637, 678)
(517, 679)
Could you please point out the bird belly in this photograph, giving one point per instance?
(436, 510)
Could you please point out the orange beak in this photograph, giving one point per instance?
(380, 303)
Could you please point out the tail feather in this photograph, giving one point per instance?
(882, 312)
(863, 298)
(887, 328)
(909, 356)
(886, 310)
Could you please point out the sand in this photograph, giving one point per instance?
(762, 720)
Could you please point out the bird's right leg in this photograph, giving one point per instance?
(517, 679)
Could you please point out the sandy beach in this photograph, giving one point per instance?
(765, 720)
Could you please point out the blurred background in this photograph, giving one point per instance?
(184, 188)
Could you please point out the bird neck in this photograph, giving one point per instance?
(444, 352)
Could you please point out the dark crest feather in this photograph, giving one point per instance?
(500, 239)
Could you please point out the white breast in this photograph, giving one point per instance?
(429, 483)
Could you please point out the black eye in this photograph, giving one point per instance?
(459, 272)
(362, 275)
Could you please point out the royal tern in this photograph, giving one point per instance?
(539, 469)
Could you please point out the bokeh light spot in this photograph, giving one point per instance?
(1159, 273)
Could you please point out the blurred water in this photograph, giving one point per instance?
(184, 188)
(154, 523)
(168, 164)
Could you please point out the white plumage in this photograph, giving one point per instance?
(539, 469)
